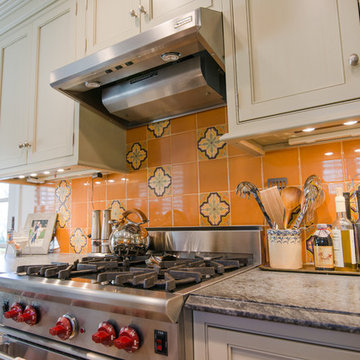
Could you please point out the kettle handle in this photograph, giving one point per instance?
(137, 212)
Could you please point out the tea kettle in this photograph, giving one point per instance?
(128, 237)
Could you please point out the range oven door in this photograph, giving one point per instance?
(16, 345)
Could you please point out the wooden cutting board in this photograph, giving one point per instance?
(273, 205)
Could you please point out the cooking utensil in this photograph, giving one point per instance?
(314, 180)
(279, 182)
(310, 193)
(273, 205)
(291, 198)
(127, 235)
(246, 188)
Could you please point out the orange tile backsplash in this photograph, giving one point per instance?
(181, 174)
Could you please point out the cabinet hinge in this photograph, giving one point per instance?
(85, 46)
(237, 100)
(73, 139)
(76, 8)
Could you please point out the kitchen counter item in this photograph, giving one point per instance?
(128, 237)
(246, 188)
(95, 232)
(105, 231)
(280, 183)
(291, 198)
(285, 251)
(124, 295)
(273, 205)
(310, 193)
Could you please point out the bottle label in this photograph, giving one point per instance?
(324, 257)
(352, 247)
(338, 251)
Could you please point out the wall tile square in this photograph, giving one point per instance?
(282, 163)
(159, 151)
(186, 210)
(136, 134)
(245, 211)
(314, 162)
(115, 186)
(160, 212)
(183, 147)
(209, 144)
(213, 175)
(352, 158)
(159, 181)
(158, 129)
(215, 209)
(211, 118)
(183, 123)
(244, 168)
(185, 178)
(137, 184)
(79, 191)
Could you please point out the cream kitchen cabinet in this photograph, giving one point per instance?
(104, 23)
(233, 338)
(290, 63)
(40, 128)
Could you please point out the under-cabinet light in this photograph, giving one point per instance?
(111, 181)
(308, 129)
(329, 153)
(60, 170)
(46, 172)
(33, 174)
(357, 150)
(21, 176)
(352, 122)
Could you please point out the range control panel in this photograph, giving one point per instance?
(160, 342)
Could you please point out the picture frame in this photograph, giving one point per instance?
(39, 229)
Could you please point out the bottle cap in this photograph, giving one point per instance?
(340, 200)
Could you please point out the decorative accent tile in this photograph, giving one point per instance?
(158, 129)
(63, 191)
(209, 144)
(78, 241)
(64, 215)
(117, 209)
(136, 156)
(215, 209)
(159, 181)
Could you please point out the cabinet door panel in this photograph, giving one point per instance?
(233, 345)
(294, 54)
(159, 11)
(53, 112)
(15, 75)
(109, 22)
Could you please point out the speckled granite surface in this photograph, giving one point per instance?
(322, 301)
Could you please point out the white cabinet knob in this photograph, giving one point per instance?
(354, 59)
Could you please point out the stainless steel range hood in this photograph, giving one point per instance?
(174, 68)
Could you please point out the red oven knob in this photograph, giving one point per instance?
(128, 339)
(65, 328)
(29, 316)
(15, 310)
(105, 334)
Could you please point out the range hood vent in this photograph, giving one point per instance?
(172, 69)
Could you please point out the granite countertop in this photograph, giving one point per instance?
(317, 300)
(10, 262)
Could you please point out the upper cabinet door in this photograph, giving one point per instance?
(109, 22)
(156, 12)
(52, 113)
(294, 54)
(14, 110)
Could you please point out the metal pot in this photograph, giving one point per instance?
(128, 237)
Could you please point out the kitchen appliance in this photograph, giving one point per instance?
(174, 68)
(128, 237)
(122, 307)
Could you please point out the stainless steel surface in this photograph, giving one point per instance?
(105, 226)
(40, 349)
(196, 31)
(95, 232)
(354, 59)
(174, 89)
(89, 304)
(232, 239)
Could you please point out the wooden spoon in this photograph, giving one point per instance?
(291, 197)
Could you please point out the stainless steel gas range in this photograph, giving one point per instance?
(107, 307)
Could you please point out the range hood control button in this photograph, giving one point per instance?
(29, 316)
(65, 328)
(15, 310)
(105, 334)
(128, 339)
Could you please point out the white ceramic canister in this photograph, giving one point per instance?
(285, 250)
